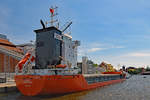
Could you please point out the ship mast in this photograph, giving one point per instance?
(53, 14)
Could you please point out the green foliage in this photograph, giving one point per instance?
(147, 68)
(135, 71)
(139, 70)
(132, 71)
(95, 65)
(96, 71)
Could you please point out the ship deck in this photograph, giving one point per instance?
(98, 75)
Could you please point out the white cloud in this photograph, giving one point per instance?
(136, 59)
(106, 46)
(97, 44)
(85, 51)
(95, 49)
(139, 54)
(118, 47)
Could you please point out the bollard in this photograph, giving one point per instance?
(5, 89)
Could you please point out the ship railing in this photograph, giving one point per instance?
(70, 71)
(66, 71)
(28, 70)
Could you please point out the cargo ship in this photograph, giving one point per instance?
(51, 67)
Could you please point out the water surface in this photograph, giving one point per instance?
(135, 88)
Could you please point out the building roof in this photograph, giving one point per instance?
(4, 43)
(2, 36)
(25, 44)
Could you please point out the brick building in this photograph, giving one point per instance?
(9, 55)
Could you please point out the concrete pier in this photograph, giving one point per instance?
(7, 87)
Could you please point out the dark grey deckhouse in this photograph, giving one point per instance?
(48, 47)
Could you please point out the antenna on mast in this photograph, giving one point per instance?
(53, 13)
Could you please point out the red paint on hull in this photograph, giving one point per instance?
(32, 85)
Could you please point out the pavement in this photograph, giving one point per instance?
(9, 86)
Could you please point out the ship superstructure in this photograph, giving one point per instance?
(54, 50)
(50, 68)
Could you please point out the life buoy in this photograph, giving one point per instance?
(111, 72)
(61, 66)
(23, 61)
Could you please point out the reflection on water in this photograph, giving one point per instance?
(137, 88)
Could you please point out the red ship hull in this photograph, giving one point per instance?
(32, 85)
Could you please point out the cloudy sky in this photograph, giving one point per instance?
(115, 31)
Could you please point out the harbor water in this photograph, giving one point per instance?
(135, 88)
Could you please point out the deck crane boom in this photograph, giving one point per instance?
(67, 26)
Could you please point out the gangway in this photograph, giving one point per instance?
(7, 54)
(11, 53)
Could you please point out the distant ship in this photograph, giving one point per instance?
(51, 68)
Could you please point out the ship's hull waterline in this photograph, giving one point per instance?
(32, 85)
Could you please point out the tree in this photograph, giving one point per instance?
(147, 68)
(95, 65)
